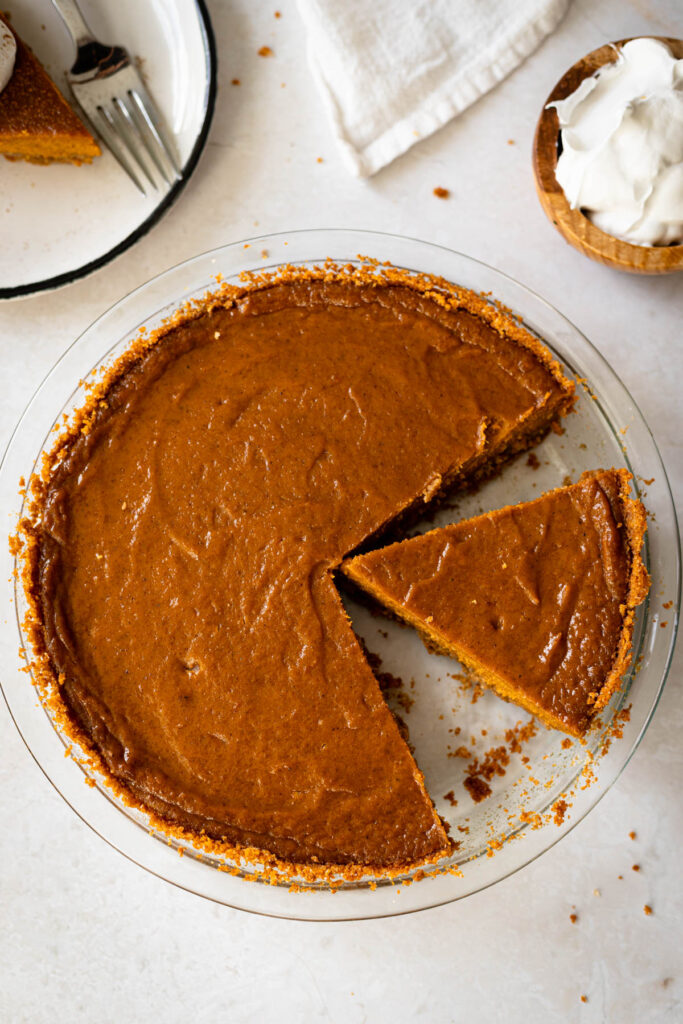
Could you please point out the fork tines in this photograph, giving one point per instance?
(125, 117)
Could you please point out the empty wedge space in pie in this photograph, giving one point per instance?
(184, 534)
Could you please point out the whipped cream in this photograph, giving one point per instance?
(622, 145)
(8, 52)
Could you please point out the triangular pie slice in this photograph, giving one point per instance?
(36, 122)
(537, 599)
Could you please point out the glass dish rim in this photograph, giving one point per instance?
(361, 236)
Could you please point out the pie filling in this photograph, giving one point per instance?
(185, 534)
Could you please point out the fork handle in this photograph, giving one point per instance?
(74, 21)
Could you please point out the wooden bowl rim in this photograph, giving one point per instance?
(572, 223)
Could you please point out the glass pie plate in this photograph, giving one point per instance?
(450, 723)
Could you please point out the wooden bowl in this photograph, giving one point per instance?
(573, 224)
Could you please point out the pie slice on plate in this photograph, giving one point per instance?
(36, 122)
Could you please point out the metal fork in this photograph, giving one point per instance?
(111, 95)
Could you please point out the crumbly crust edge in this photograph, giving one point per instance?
(634, 523)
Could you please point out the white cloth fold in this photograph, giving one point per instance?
(393, 71)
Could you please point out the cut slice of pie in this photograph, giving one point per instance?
(537, 599)
(36, 122)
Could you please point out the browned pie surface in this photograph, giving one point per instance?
(537, 597)
(187, 540)
(36, 122)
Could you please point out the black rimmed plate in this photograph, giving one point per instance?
(61, 222)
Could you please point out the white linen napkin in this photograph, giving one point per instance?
(393, 71)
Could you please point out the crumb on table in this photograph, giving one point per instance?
(441, 193)
(265, 51)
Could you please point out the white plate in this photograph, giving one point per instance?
(60, 222)
(606, 430)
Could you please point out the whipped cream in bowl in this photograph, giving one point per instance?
(621, 133)
(8, 53)
(608, 155)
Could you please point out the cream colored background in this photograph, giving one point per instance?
(87, 936)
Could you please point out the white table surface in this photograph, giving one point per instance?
(86, 935)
